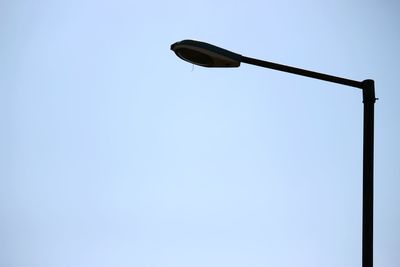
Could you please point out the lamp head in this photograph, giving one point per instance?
(205, 55)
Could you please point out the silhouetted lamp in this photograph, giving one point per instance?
(207, 55)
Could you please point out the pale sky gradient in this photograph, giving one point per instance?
(115, 153)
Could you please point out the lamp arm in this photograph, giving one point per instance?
(302, 72)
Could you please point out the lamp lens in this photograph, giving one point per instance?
(194, 57)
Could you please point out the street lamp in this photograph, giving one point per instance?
(207, 55)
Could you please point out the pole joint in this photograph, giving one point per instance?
(368, 87)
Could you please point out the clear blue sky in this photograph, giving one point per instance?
(113, 152)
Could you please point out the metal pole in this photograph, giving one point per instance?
(368, 173)
(369, 99)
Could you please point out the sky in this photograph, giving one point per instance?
(114, 152)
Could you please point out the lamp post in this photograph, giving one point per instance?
(207, 55)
